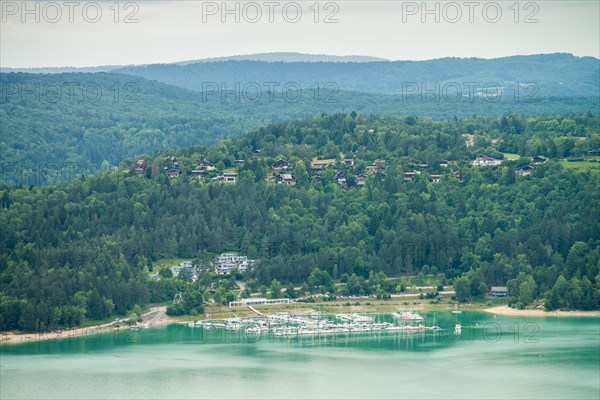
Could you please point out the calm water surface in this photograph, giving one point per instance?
(494, 357)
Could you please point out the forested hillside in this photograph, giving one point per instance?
(410, 201)
(553, 74)
(60, 126)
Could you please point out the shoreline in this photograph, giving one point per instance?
(157, 317)
(506, 310)
(154, 317)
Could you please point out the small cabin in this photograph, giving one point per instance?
(525, 171)
(318, 166)
(280, 164)
(230, 177)
(140, 166)
(285, 179)
(173, 173)
(408, 176)
(370, 169)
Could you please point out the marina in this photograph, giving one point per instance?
(288, 325)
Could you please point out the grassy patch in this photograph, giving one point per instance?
(511, 156)
(326, 161)
(169, 262)
(584, 165)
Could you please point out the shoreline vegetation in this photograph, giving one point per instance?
(157, 317)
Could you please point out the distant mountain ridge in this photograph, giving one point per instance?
(287, 57)
(548, 74)
(266, 57)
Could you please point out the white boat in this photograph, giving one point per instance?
(457, 329)
(407, 316)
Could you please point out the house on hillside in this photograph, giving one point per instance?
(341, 178)
(379, 163)
(417, 165)
(182, 265)
(525, 171)
(173, 173)
(227, 261)
(139, 166)
(408, 176)
(458, 175)
(486, 161)
(205, 166)
(469, 139)
(227, 177)
(370, 169)
(444, 163)
(318, 166)
(435, 178)
(348, 162)
(280, 164)
(285, 179)
(361, 180)
(197, 173)
(539, 159)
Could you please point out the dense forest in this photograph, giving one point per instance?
(56, 127)
(83, 250)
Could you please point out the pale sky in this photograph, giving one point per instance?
(168, 31)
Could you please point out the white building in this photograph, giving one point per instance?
(257, 302)
(184, 264)
(227, 177)
(486, 161)
(227, 261)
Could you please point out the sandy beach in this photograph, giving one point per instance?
(155, 316)
(506, 310)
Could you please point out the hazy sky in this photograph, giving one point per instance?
(75, 34)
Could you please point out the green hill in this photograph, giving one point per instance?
(82, 250)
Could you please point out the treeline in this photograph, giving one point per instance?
(84, 249)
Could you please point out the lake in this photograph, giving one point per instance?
(494, 357)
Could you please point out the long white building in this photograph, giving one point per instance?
(257, 302)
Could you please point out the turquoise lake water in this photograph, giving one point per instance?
(494, 357)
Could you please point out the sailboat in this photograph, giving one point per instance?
(457, 326)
